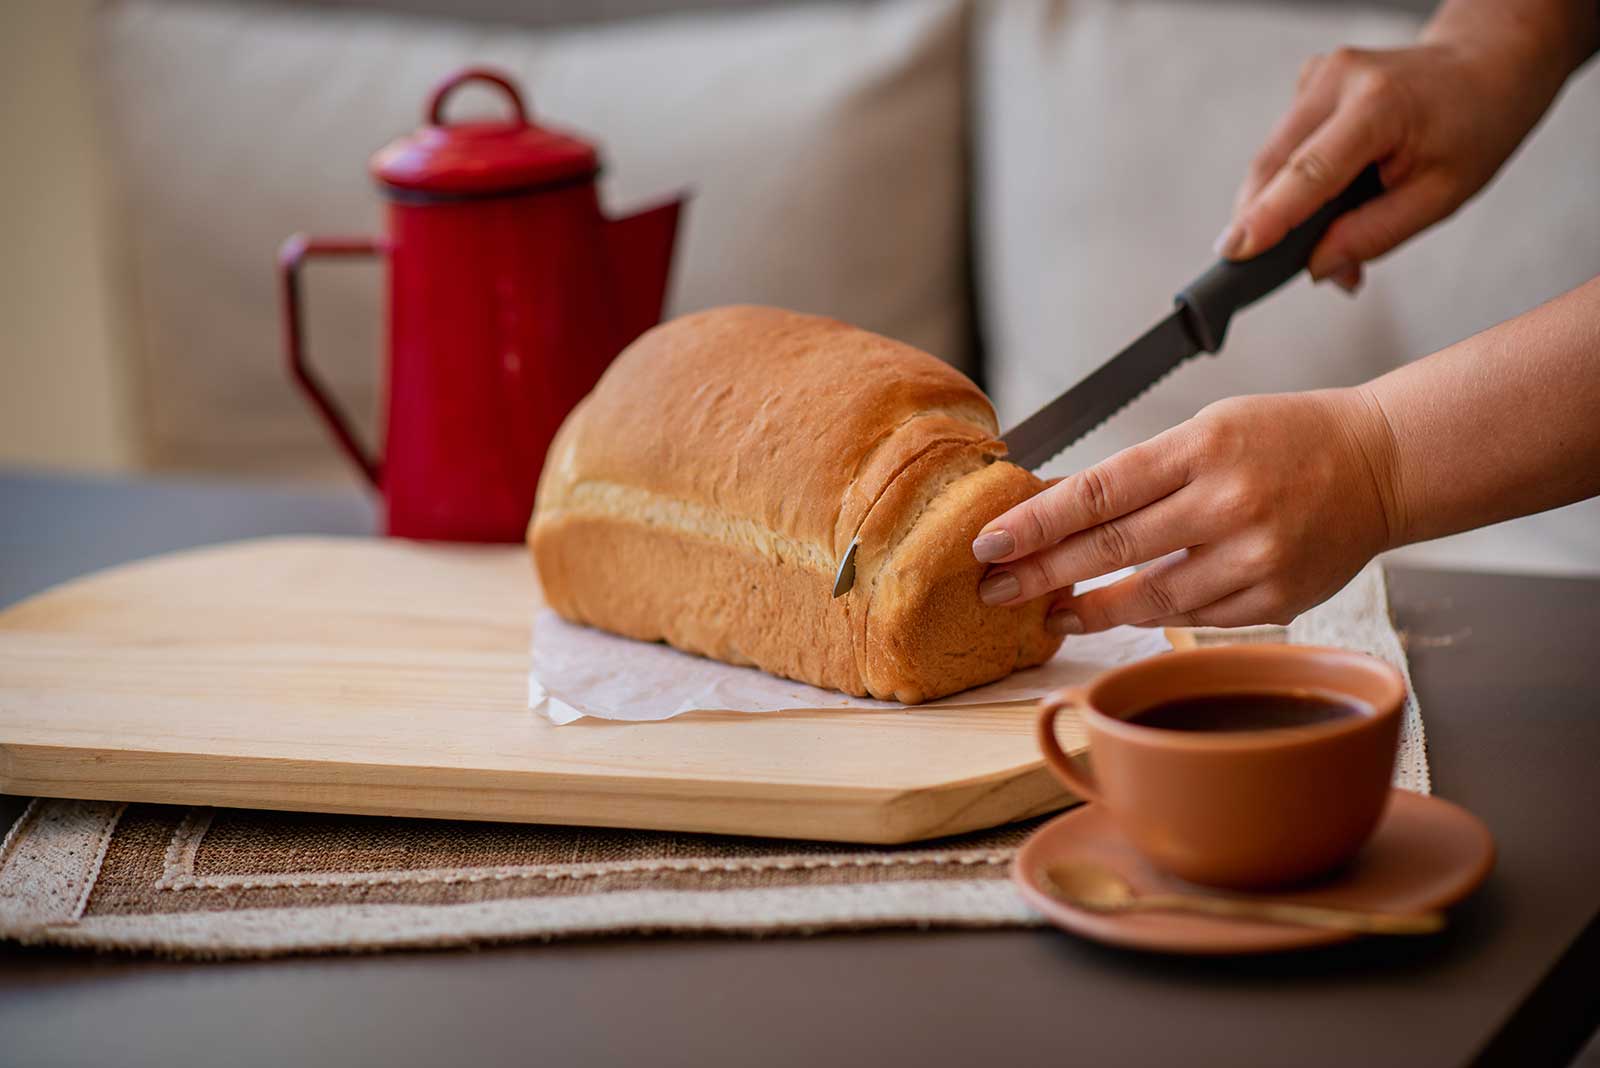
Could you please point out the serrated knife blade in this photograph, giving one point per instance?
(1037, 439)
(1040, 437)
(1197, 324)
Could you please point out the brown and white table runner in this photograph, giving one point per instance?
(236, 883)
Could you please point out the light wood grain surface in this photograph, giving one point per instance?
(390, 677)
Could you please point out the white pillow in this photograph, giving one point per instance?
(823, 146)
(1112, 137)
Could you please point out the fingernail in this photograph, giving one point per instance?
(1230, 242)
(1063, 621)
(1330, 272)
(992, 546)
(999, 588)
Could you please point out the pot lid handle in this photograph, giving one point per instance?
(481, 74)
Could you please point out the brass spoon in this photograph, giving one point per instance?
(1099, 889)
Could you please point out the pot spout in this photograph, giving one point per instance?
(640, 247)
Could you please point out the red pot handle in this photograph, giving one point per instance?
(474, 74)
(290, 257)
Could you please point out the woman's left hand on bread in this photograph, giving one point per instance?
(1251, 512)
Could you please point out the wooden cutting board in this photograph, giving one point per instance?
(390, 677)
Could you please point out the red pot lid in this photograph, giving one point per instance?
(470, 158)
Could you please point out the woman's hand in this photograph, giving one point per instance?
(1260, 507)
(1439, 119)
(1254, 510)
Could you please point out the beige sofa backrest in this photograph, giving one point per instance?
(831, 148)
(822, 146)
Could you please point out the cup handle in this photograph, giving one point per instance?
(1079, 782)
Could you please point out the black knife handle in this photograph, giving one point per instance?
(1210, 300)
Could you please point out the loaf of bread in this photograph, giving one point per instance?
(705, 492)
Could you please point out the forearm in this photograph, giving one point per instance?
(1543, 39)
(1503, 424)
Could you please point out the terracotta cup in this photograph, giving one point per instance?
(1245, 809)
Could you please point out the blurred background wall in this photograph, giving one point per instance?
(1017, 186)
(61, 376)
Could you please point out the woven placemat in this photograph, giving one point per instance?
(225, 883)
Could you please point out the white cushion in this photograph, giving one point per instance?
(1112, 137)
(823, 146)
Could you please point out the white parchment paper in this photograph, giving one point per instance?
(579, 671)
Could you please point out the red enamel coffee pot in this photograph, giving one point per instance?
(509, 293)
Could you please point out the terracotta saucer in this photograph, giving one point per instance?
(1426, 853)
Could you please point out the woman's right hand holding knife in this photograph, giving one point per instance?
(1260, 507)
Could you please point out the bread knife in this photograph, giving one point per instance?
(1199, 319)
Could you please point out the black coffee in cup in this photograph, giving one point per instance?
(1247, 712)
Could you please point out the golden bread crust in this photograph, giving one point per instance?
(706, 489)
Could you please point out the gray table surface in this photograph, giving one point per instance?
(1508, 670)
